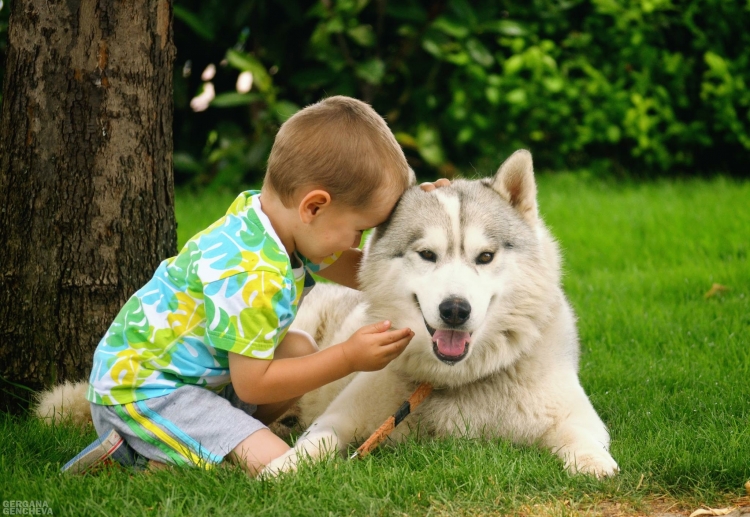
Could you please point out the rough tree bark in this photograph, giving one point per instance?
(86, 185)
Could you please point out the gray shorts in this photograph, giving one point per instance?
(190, 426)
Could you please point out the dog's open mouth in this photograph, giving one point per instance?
(450, 346)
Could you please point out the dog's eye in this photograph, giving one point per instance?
(428, 256)
(485, 258)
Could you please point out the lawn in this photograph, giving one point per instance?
(666, 366)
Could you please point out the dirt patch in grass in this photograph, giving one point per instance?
(649, 507)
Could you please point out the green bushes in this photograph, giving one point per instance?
(652, 87)
(640, 87)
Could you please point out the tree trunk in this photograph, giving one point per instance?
(86, 185)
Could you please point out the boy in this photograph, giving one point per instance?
(202, 356)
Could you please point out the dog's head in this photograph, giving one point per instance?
(470, 268)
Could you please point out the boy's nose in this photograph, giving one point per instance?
(357, 240)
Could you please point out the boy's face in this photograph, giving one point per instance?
(338, 228)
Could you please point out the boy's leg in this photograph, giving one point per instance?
(296, 343)
(258, 450)
(252, 453)
(190, 426)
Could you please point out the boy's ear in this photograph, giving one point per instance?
(312, 203)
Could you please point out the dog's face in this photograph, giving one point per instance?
(456, 265)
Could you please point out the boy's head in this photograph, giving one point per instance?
(339, 145)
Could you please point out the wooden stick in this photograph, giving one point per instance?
(384, 430)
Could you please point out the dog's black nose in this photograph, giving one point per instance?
(455, 311)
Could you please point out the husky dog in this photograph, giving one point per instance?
(473, 271)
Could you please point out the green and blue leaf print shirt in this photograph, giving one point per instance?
(232, 288)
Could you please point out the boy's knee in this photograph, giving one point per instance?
(296, 343)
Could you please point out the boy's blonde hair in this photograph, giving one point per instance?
(340, 145)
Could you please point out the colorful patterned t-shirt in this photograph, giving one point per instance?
(232, 288)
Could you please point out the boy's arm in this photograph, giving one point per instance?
(344, 270)
(259, 381)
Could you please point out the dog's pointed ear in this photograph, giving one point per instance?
(514, 180)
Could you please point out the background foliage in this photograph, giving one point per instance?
(651, 87)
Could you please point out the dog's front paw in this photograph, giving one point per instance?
(287, 462)
(308, 448)
(593, 461)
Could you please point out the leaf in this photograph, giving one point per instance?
(451, 27)
(613, 134)
(505, 27)
(351, 6)
(458, 58)
(232, 99)
(466, 134)
(193, 21)
(284, 110)
(513, 64)
(428, 141)
(334, 26)
(479, 52)
(245, 62)
(517, 96)
(553, 84)
(362, 35)
(432, 47)
(715, 290)
(494, 80)
(371, 70)
(493, 95)
(715, 62)
(186, 163)
(406, 140)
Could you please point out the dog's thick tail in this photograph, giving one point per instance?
(64, 403)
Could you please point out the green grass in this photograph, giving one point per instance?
(667, 369)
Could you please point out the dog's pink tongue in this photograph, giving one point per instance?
(451, 343)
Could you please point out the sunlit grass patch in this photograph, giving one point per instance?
(665, 366)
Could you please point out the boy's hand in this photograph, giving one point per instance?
(442, 182)
(374, 346)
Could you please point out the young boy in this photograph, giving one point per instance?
(201, 357)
